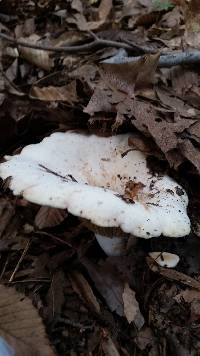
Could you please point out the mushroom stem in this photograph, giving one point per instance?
(112, 246)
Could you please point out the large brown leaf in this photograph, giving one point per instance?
(108, 284)
(128, 76)
(49, 217)
(21, 325)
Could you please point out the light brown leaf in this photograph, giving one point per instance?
(131, 307)
(175, 104)
(128, 76)
(21, 326)
(49, 217)
(38, 57)
(52, 93)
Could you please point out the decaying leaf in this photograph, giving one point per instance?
(108, 284)
(82, 287)
(21, 326)
(38, 57)
(7, 211)
(109, 347)
(80, 20)
(131, 307)
(128, 77)
(49, 217)
(146, 340)
(192, 23)
(173, 274)
(191, 153)
(52, 93)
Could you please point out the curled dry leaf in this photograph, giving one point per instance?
(51, 93)
(129, 76)
(49, 217)
(38, 57)
(131, 307)
(21, 326)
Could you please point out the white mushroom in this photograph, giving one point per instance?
(165, 259)
(112, 246)
(101, 180)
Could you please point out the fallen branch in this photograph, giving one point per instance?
(97, 43)
(167, 60)
(173, 275)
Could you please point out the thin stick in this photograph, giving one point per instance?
(69, 49)
(168, 60)
(20, 260)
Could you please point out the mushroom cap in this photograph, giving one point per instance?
(165, 259)
(94, 177)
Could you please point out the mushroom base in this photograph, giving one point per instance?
(112, 246)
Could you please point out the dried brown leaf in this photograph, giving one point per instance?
(7, 211)
(194, 131)
(80, 20)
(82, 287)
(175, 104)
(189, 295)
(128, 76)
(98, 102)
(51, 93)
(49, 217)
(192, 153)
(21, 326)
(131, 307)
(173, 274)
(144, 144)
(109, 347)
(38, 57)
(146, 339)
(108, 284)
(192, 23)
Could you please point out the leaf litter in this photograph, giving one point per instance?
(91, 304)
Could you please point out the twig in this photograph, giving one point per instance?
(168, 60)
(97, 43)
(20, 260)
